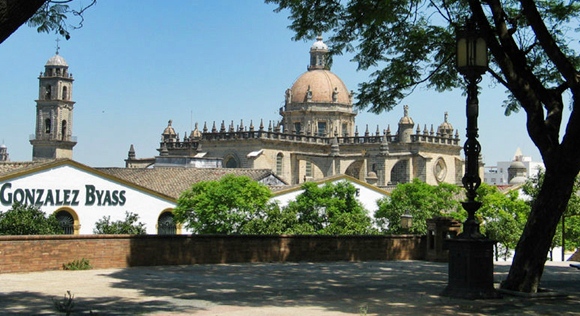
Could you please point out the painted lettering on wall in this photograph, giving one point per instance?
(61, 197)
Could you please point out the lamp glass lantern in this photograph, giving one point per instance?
(472, 59)
(406, 220)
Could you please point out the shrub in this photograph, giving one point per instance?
(28, 220)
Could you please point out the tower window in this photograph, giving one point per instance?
(321, 128)
(63, 130)
(64, 93)
(47, 126)
(48, 93)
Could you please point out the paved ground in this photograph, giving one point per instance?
(340, 288)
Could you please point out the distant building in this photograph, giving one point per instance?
(516, 171)
(316, 138)
(79, 195)
(54, 112)
(4, 153)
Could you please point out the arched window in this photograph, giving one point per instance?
(231, 162)
(64, 93)
(400, 172)
(66, 221)
(63, 130)
(279, 163)
(47, 126)
(166, 225)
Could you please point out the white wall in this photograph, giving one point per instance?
(83, 189)
(367, 197)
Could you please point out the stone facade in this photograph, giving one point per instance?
(54, 112)
(317, 137)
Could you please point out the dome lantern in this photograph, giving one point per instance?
(318, 53)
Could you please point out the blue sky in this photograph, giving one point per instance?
(138, 66)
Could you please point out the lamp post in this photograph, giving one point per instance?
(471, 63)
(406, 221)
(471, 253)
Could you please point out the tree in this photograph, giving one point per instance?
(28, 220)
(45, 15)
(331, 209)
(412, 43)
(503, 217)
(128, 226)
(570, 219)
(422, 201)
(221, 207)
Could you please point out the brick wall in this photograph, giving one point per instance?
(39, 253)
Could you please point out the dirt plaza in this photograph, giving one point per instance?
(330, 288)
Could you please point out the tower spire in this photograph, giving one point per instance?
(57, 45)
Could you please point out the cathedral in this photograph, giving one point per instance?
(317, 137)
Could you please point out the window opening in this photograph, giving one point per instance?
(47, 126)
(321, 128)
(66, 221)
(166, 224)
(279, 163)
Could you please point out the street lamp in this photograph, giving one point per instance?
(471, 63)
(406, 221)
(471, 253)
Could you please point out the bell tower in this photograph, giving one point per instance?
(54, 112)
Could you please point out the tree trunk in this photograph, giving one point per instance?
(14, 13)
(535, 242)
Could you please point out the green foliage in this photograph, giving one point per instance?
(331, 209)
(422, 201)
(238, 205)
(406, 44)
(52, 16)
(82, 264)
(502, 217)
(28, 220)
(222, 207)
(128, 226)
(571, 216)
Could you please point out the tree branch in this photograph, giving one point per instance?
(14, 13)
(546, 40)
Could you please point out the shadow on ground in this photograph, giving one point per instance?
(338, 288)
(41, 304)
(401, 287)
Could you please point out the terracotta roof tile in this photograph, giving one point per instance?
(9, 166)
(172, 181)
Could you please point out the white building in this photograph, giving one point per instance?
(500, 175)
(366, 194)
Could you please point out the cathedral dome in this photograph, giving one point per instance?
(320, 86)
(56, 60)
(517, 165)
